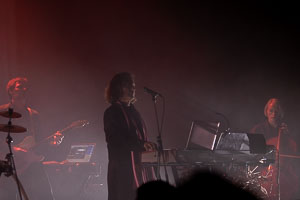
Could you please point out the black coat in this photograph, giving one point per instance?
(125, 134)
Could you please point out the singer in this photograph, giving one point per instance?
(125, 134)
(272, 128)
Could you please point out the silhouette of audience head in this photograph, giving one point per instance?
(199, 185)
(158, 190)
(206, 184)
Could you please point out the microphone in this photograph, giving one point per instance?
(151, 92)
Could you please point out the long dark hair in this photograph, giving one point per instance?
(114, 90)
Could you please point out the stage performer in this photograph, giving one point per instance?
(126, 138)
(276, 133)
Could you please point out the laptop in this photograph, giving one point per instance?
(81, 153)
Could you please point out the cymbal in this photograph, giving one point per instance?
(13, 114)
(12, 128)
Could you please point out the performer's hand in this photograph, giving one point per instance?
(283, 128)
(57, 138)
(150, 146)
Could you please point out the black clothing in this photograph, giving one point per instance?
(288, 146)
(31, 173)
(125, 135)
(266, 129)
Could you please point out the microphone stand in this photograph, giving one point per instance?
(159, 142)
(10, 156)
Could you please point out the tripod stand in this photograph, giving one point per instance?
(10, 157)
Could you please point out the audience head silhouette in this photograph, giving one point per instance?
(158, 190)
(212, 185)
(198, 185)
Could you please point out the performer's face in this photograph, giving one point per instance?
(273, 114)
(129, 92)
(19, 91)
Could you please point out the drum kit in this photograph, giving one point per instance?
(9, 166)
(262, 178)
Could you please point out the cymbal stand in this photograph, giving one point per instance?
(278, 162)
(10, 156)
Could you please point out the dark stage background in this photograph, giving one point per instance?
(224, 57)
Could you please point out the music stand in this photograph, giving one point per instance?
(202, 135)
(243, 143)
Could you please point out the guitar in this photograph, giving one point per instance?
(24, 153)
